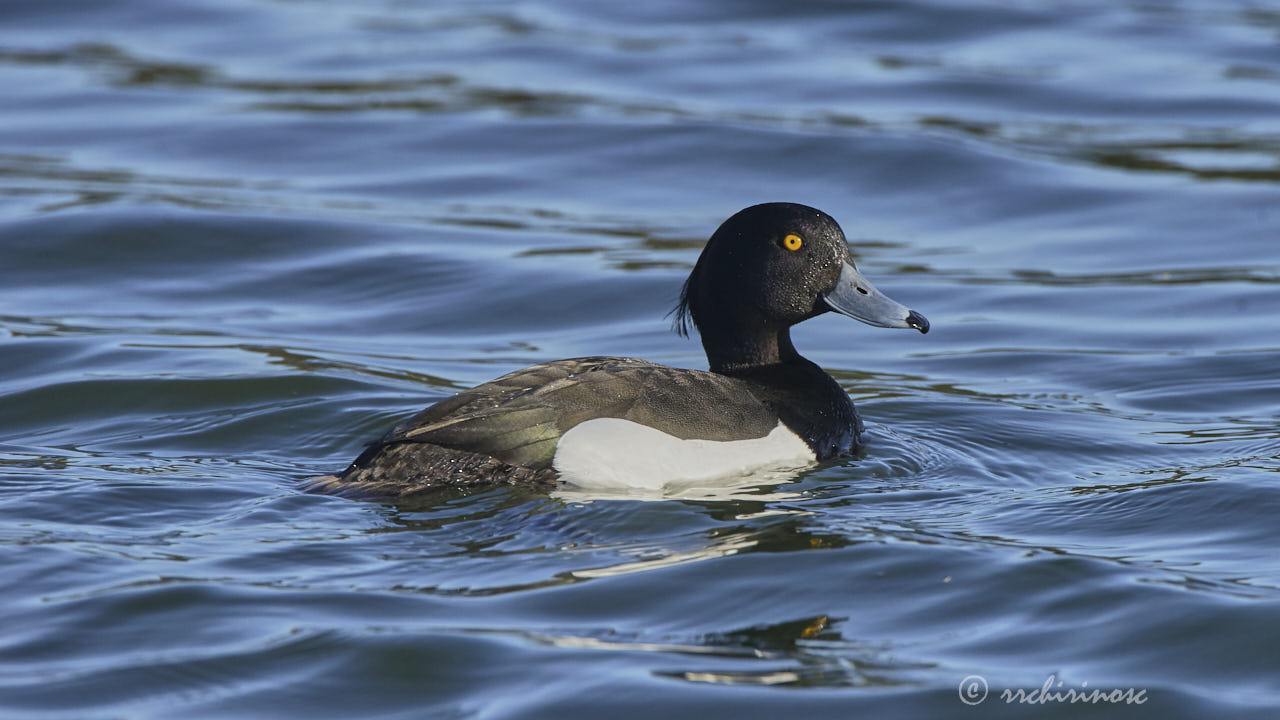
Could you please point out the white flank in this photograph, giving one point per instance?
(615, 453)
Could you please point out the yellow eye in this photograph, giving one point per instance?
(792, 242)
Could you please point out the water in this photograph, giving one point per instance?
(240, 239)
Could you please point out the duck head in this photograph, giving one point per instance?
(767, 268)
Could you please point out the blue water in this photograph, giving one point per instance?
(239, 239)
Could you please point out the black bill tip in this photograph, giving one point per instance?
(918, 321)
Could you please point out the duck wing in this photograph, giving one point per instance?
(519, 417)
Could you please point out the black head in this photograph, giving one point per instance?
(769, 267)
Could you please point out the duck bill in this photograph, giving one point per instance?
(860, 300)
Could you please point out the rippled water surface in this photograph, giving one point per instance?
(239, 239)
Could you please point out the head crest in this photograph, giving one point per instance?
(684, 315)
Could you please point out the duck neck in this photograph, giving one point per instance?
(734, 349)
(808, 400)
